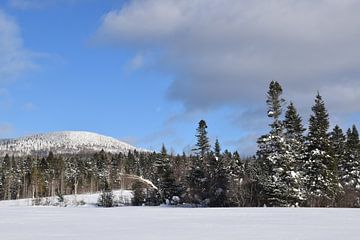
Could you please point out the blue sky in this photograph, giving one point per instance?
(146, 71)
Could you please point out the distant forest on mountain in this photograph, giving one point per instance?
(293, 166)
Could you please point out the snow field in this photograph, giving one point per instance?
(157, 223)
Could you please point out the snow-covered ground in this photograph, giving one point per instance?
(157, 223)
(85, 200)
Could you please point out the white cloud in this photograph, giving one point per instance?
(226, 52)
(14, 58)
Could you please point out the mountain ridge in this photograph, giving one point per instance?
(63, 142)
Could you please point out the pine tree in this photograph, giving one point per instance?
(139, 194)
(218, 173)
(338, 141)
(279, 182)
(217, 148)
(320, 167)
(350, 167)
(294, 137)
(202, 145)
(166, 180)
(198, 179)
(106, 198)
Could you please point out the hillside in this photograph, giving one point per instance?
(67, 142)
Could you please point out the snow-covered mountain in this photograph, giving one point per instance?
(67, 142)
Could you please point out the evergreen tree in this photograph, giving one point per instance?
(218, 178)
(350, 167)
(338, 141)
(198, 179)
(279, 181)
(139, 194)
(217, 148)
(294, 137)
(202, 145)
(106, 198)
(320, 166)
(166, 180)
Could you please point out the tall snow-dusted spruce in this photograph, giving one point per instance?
(338, 141)
(198, 180)
(320, 166)
(166, 180)
(350, 166)
(218, 174)
(280, 181)
(202, 146)
(294, 136)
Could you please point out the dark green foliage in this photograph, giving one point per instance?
(350, 166)
(218, 178)
(274, 103)
(202, 145)
(106, 199)
(166, 180)
(280, 178)
(320, 167)
(139, 194)
(338, 141)
(198, 184)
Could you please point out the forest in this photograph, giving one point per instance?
(293, 166)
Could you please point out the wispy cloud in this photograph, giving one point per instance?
(14, 58)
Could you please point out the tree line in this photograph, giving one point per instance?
(293, 166)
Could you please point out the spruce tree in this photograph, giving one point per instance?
(218, 173)
(166, 180)
(280, 186)
(202, 145)
(198, 177)
(106, 198)
(338, 141)
(350, 167)
(294, 137)
(198, 183)
(320, 166)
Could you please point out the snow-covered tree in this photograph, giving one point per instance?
(320, 177)
(294, 137)
(73, 173)
(218, 174)
(350, 166)
(279, 182)
(294, 133)
(166, 180)
(198, 177)
(338, 141)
